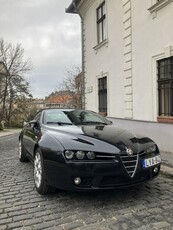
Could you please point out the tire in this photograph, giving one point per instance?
(22, 153)
(39, 175)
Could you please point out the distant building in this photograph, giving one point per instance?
(127, 50)
(59, 99)
(36, 103)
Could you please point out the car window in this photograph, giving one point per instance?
(56, 116)
(37, 117)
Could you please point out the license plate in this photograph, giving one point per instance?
(151, 161)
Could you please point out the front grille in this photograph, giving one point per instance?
(118, 181)
(130, 163)
(105, 156)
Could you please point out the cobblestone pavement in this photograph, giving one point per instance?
(148, 206)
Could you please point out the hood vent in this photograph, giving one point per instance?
(130, 163)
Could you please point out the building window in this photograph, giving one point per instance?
(101, 23)
(102, 95)
(165, 86)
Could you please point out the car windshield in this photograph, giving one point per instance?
(85, 117)
(55, 116)
(76, 117)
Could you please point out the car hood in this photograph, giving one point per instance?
(101, 138)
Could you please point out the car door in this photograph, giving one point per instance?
(32, 134)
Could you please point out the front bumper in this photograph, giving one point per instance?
(96, 175)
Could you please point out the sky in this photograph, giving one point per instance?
(50, 37)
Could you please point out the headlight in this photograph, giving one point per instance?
(151, 149)
(80, 155)
(69, 154)
(90, 155)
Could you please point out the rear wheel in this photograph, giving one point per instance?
(22, 153)
(39, 175)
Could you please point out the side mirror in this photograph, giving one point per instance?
(34, 124)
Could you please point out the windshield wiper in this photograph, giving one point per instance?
(58, 123)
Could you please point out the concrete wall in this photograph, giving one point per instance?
(105, 59)
(152, 39)
(136, 38)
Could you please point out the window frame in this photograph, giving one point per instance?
(165, 87)
(101, 22)
(103, 93)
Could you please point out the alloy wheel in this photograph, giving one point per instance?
(20, 149)
(37, 170)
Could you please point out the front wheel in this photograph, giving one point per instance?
(22, 153)
(39, 175)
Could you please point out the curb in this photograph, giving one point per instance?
(9, 132)
(166, 171)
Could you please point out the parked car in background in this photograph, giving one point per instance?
(80, 150)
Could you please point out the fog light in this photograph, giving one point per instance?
(77, 180)
(80, 155)
(155, 170)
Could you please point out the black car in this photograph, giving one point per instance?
(80, 150)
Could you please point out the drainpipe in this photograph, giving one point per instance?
(82, 44)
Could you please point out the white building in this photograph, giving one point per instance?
(127, 48)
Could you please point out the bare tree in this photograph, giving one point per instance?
(13, 82)
(72, 85)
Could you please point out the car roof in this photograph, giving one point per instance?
(63, 109)
(60, 109)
